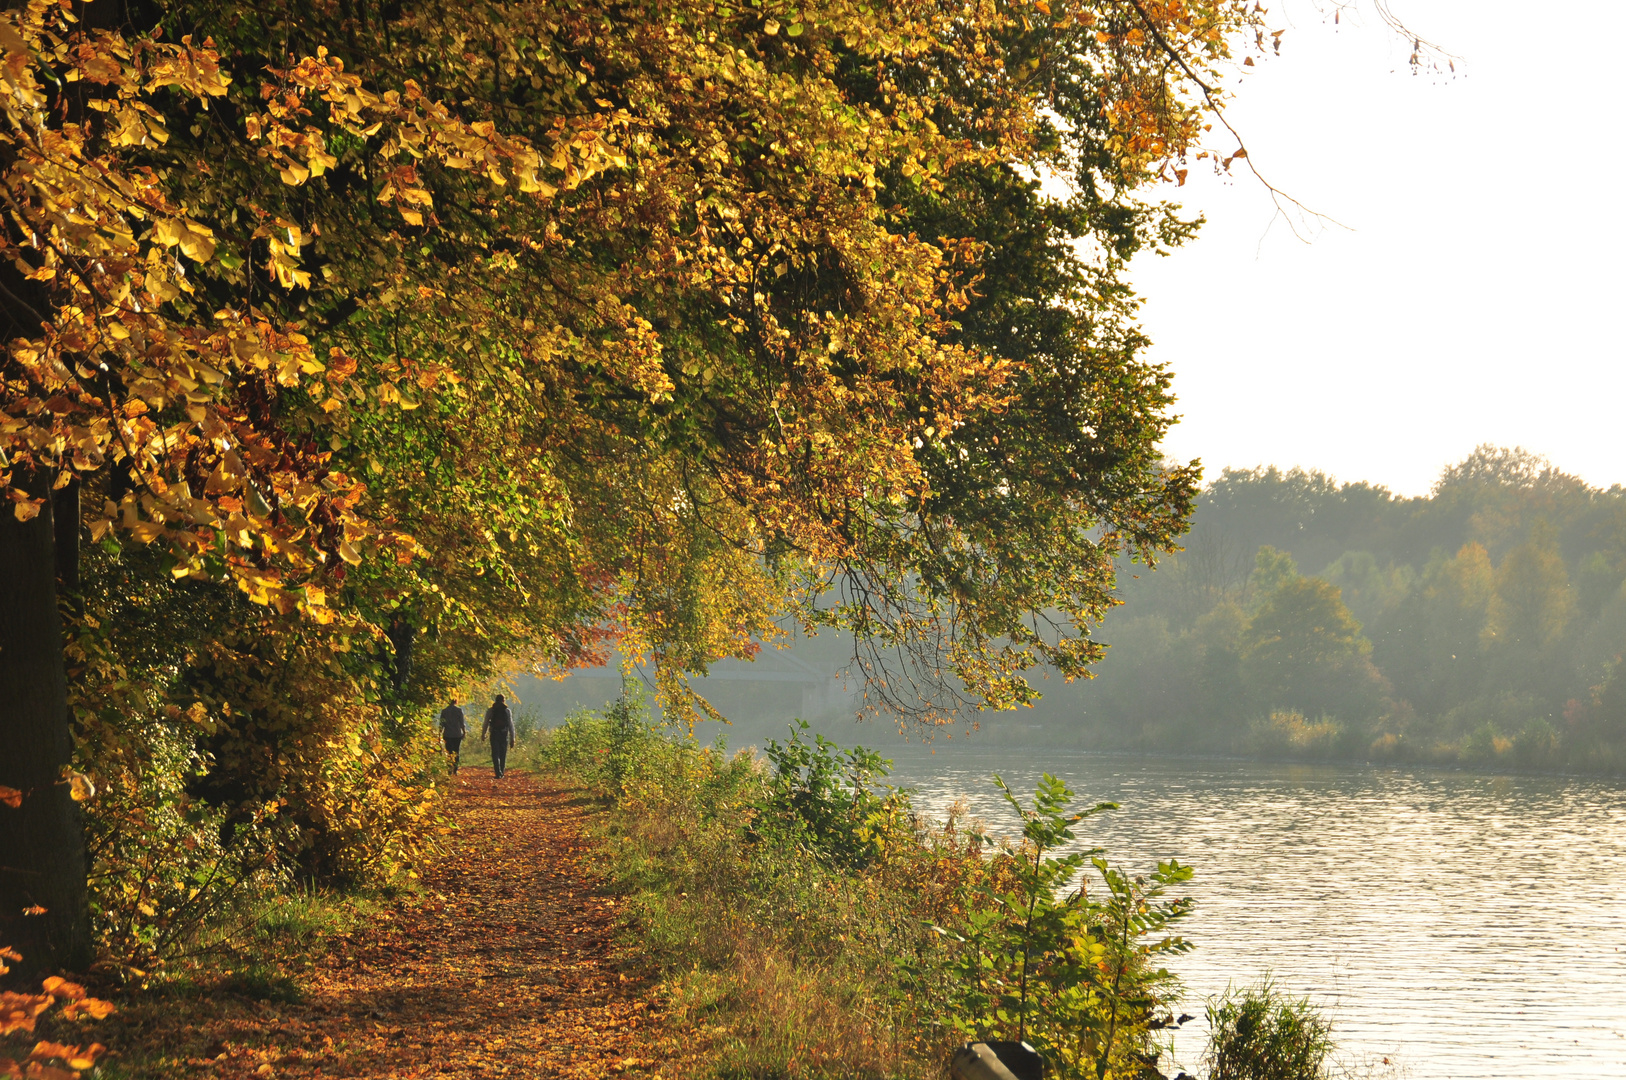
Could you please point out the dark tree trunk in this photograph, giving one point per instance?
(42, 844)
(400, 634)
(65, 519)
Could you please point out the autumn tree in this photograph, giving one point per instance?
(461, 335)
(1272, 570)
(1532, 604)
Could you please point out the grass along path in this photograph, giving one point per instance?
(503, 966)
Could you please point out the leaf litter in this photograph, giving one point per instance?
(504, 965)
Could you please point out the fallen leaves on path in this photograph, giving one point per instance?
(503, 966)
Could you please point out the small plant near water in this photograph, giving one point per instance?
(1259, 1033)
(1047, 960)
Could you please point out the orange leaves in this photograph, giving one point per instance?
(76, 1005)
(10, 796)
(20, 1012)
(37, 1065)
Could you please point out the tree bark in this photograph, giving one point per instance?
(42, 843)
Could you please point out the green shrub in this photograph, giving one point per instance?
(1259, 1033)
(824, 798)
(1069, 964)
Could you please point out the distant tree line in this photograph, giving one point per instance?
(1482, 624)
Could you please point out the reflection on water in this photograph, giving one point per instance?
(1467, 926)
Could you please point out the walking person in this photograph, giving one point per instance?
(500, 726)
(453, 726)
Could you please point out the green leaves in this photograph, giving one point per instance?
(1044, 959)
(827, 799)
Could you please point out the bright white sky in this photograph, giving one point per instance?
(1478, 297)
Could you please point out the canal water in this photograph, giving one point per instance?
(1459, 925)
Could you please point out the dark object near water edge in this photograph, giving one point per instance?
(999, 1060)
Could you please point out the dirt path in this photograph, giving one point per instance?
(503, 967)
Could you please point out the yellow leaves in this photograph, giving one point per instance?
(80, 787)
(284, 254)
(228, 475)
(196, 241)
(132, 130)
(320, 161)
(192, 68)
(10, 40)
(22, 507)
(390, 393)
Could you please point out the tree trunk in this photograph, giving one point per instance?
(66, 528)
(42, 843)
(400, 634)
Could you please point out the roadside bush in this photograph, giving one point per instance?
(808, 924)
(215, 794)
(825, 799)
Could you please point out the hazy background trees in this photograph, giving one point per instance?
(1485, 622)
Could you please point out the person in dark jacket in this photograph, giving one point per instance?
(500, 726)
(453, 726)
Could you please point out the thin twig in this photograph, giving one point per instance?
(1211, 96)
